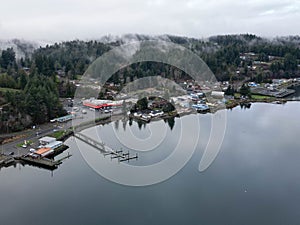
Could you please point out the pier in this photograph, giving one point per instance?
(105, 150)
(98, 145)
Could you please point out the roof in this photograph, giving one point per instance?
(53, 144)
(97, 103)
(41, 151)
(217, 93)
(200, 106)
(47, 139)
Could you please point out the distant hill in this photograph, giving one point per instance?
(22, 48)
(34, 75)
(25, 48)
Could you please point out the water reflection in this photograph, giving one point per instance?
(141, 124)
(254, 180)
(171, 122)
(245, 105)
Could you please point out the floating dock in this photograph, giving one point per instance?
(121, 156)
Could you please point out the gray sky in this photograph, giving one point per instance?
(86, 19)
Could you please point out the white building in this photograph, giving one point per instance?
(217, 94)
(46, 140)
(50, 142)
(54, 144)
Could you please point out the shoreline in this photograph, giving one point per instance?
(13, 137)
(7, 160)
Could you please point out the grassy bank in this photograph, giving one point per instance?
(261, 97)
(254, 97)
(62, 135)
(20, 145)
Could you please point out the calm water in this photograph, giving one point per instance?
(254, 180)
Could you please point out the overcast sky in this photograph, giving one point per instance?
(89, 19)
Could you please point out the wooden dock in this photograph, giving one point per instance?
(6, 160)
(43, 162)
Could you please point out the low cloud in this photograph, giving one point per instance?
(70, 19)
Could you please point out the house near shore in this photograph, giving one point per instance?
(217, 94)
(101, 104)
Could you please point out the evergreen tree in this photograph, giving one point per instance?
(245, 90)
(8, 58)
(229, 90)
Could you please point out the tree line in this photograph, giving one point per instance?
(38, 81)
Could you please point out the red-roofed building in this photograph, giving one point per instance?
(100, 104)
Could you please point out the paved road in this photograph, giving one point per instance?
(29, 135)
(46, 129)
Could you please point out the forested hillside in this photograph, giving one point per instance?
(31, 85)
